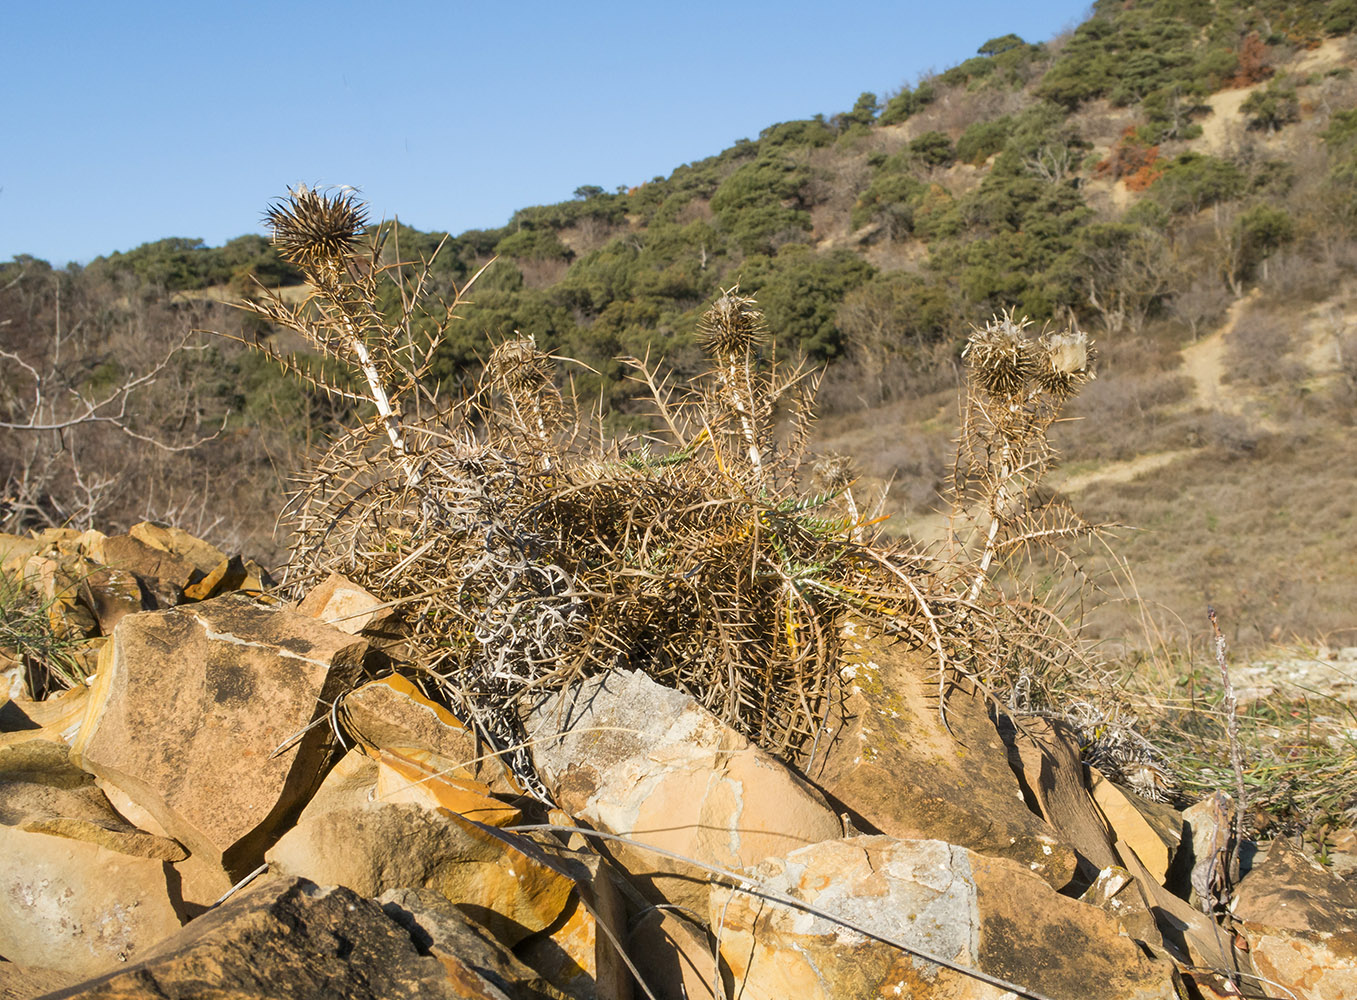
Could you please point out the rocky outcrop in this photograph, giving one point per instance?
(401, 858)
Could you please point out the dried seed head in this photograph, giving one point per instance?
(732, 326)
(1001, 360)
(834, 471)
(1065, 363)
(311, 228)
(517, 366)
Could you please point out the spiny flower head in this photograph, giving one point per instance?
(732, 326)
(519, 367)
(312, 228)
(1065, 363)
(1000, 358)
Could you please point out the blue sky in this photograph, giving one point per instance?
(129, 122)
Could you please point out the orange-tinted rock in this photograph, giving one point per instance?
(1301, 924)
(647, 762)
(203, 556)
(392, 714)
(349, 835)
(461, 944)
(340, 602)
(168, 573)
(894, 763)
(196, 712)
(985, 914)
(226, 576)
(24, 982)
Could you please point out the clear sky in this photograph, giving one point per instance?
(126, 122)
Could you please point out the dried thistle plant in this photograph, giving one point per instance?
(520, 547)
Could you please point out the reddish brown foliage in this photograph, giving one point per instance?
(1132, 160)
(1253, 63)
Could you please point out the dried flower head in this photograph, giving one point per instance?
(834, 471)
(517, 366)
(1065, 363)
(1000, 358)
(732, 326)
(311, 228)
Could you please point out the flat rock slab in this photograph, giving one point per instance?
(893, 762)
(984, 914)
(190, 705)
(288, 938)
(634, 758)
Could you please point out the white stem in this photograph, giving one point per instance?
(746, 423)
(1000, 499)
(383, 403)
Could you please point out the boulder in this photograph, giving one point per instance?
(983, 914)
(350, 835)
(392, 714)
(894, 764)
(1153, 830)
(1301, 923)
(212, 718)
(84, 890)
(631, 757)
(674, 956)
(163, 573)
(202, 556)
(288, 938)
(443, 931)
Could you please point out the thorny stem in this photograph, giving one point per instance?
(746, 421)
(1000, 499)
(1230, 707)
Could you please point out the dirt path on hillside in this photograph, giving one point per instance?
(1204, 363)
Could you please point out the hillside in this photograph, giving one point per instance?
(1178, 178)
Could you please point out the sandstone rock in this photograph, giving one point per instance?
(24, 982)
(640, 760)
(57, 718)
(228, 575)
(1044, 753)
(443, 931)
(203, 556)
(113, 594)
(406, 779)
(340, 602)
(1151, 829)
(350, 836)
(1301, 923)
(581, 955)
(83, 889)
(166, 574)
(287, 938)
(189, 707)
(894, 763)
(674, 957)
(982, 913)
(392, 714)
(1118, 892)
(15, 551)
